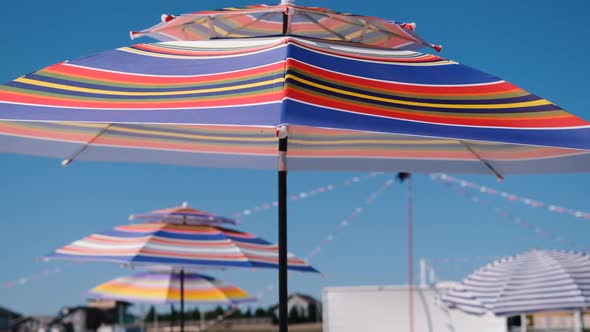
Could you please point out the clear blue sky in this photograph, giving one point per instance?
(540, 45)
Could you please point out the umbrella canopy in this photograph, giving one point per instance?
(161, 286)
(538, 280)
(218, 103)
(183, 214)
(177, 245)
(286, 19)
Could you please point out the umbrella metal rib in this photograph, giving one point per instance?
(340, 36)
(229, 32)
(484, 162)
(67, 161)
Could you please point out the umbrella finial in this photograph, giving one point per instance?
(282, 132)
(403, 176)
(167, 18)
(409, 26)
(184, 204)
(287, 2)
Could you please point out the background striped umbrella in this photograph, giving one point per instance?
(535, 281)
(177, 245)
(169, 286)
(286, 19)
(183, 214)
(164, 286)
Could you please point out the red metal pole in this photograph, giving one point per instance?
(410, 258)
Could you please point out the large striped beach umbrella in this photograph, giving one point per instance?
(183, 214)
(243, 102)
(221, 103)
(535, 281)
(286, 18)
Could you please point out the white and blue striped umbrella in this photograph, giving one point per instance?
(537, 280)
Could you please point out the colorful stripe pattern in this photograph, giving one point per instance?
(217, 103)
(184, 215)
(538, 280)
(309, 149)
(164, 287)
(268, 21)
(177, 245)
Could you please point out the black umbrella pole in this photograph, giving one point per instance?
(181, 300)
(283, 286)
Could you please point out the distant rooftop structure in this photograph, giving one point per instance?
(106, 304)
(8, 313)
(31, 323)
(302, 308)
(7, 318)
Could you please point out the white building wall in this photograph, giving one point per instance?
(385, 309)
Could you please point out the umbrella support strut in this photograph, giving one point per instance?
(499, 176)
(75, 155)
(282, 200)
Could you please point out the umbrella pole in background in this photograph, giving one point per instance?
(579, 320)
(172, 318)
(181, 300)
(282, 134)
(202, 319)
(523, 323)
(121, 317)
(156, 323)
(410, 256)
(182, 290)
(143, 316)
